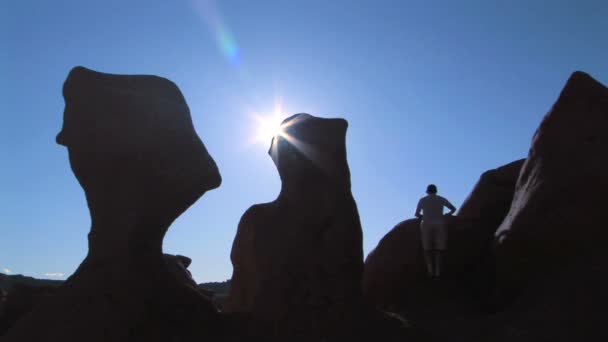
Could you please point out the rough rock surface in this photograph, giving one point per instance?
(134, 150)
(551, 247)
(298, 260)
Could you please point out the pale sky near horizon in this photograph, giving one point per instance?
(434, 92)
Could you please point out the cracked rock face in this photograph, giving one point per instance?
(298, 260)
(134, 150)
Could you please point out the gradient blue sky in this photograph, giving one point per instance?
(434, 91)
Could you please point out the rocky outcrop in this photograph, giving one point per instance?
(551, 246)
(134, 150)
(178, 266)
(394, 271)
(298, 260)
(557, 210)
(21, 299)
(395, 266)
(492, 195)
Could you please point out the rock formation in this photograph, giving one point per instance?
(394, 266)
(558, 205)
(178, 266)
(551, 253)
(134, 150)
(492, 195)
(298, 260)
(394, 271)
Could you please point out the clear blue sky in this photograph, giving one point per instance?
(434, 91)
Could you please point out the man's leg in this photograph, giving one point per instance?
(438, 262)
(441, 244)
(428, 258)
(427, 247)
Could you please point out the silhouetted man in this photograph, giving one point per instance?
(433, 230)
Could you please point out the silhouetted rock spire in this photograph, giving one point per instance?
(298, 260)
(134, 150)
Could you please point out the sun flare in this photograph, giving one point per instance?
(269, 126)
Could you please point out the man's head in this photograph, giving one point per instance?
(431, 189)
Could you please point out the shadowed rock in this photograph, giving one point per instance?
(19, 301)
(298, 260)
(559, 201)
(551, 247)
(178, 266)
(134, 150)
(491, 197)
(394, 266)
(394, 271)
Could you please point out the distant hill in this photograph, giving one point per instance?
(220, 288)
(8, 281)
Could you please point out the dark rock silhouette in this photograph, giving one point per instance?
(558, 206)
(298, 260)
(19, 301)
(492, 195)
(551, 253)
(394, 271)
(134, 150)
(394, 266)
(9, 281)
(178, 266)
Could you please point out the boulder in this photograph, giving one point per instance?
(557, 214)
(550, 249)
(394, 271)
(178, 266)
(298, 260)
(395, 267)
(133, 148)
(491, 196)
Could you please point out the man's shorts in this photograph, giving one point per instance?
(434, 236)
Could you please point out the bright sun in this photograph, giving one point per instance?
(269, 126)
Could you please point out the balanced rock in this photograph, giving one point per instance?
(133, 148)
(298, 260)
(556, 219)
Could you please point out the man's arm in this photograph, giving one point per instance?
(449, 206)
(419, 210)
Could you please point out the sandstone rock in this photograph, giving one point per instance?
(395, 266)
(491, 197)
(178, 266)
(19, 301)
(394, 271)
(557, 214)
(134, 150)
(298, 260)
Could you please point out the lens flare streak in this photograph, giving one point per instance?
(221, 33)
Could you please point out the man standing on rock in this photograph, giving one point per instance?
(433, 230)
